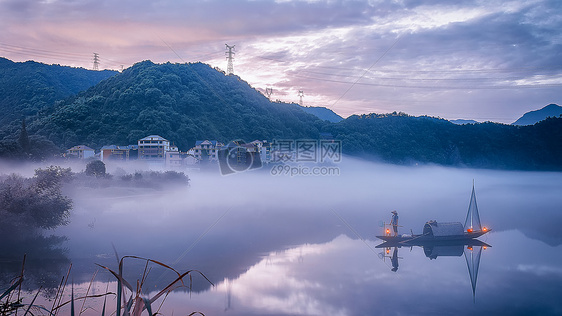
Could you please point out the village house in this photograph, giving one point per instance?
(238, 156)
(121, 153)
(177, 160)
(264, 149)
(80, 152)
(154, 148)
(206, 150)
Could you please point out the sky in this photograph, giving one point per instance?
(490, 60)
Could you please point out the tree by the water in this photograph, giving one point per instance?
(95, 168)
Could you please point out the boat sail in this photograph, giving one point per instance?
(472, 222)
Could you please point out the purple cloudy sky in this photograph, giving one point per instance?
(483, 60)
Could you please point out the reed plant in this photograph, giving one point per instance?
(131, 300)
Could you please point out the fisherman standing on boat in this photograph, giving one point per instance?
(394, 222)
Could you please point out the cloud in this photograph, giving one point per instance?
(487, 60)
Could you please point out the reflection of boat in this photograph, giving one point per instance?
(445, 240)
(472, 250)
(434, 243)
(448, 231)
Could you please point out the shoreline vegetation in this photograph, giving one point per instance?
(129, 299)
(29, 207)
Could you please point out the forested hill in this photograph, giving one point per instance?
(182, 102)
(28, 87)
(404, 139)
(189, 102)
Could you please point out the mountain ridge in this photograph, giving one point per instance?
(183, 102)
(194, 101)
(28, 87)
(533, 117)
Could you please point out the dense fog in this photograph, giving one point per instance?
(228, 226)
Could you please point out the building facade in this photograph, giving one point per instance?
(206, 150)
(113, 152)
(80, 152)
(154, 147)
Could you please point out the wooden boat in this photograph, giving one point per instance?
(444, 232)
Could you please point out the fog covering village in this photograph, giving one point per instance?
(301, 244)
(280, 158)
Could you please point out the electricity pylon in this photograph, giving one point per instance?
(96, 61)
(230, 57)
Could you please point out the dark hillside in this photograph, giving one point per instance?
(189, 102)
(403, 139)
(26, 88)
(181, 102)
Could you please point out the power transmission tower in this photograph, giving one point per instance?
(268, 92)
(230, 57)
(96, 61)
(301, 94)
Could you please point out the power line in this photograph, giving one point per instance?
(40, 54)
(439, 87)
(407, 77)
(40, 51)
(376, 61)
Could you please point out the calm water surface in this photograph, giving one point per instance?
(306, 245)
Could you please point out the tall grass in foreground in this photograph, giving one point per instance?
(131, 301)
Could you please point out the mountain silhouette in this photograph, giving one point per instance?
(532, 117)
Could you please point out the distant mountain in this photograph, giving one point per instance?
(28, 87)
(323, 113)
(462, 121)
(532, 117)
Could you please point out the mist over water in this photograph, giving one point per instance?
(305, 244)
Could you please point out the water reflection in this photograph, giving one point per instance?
(471, 249)
(45, 261)
(283, 251)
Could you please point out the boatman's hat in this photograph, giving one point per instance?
(394, 212)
